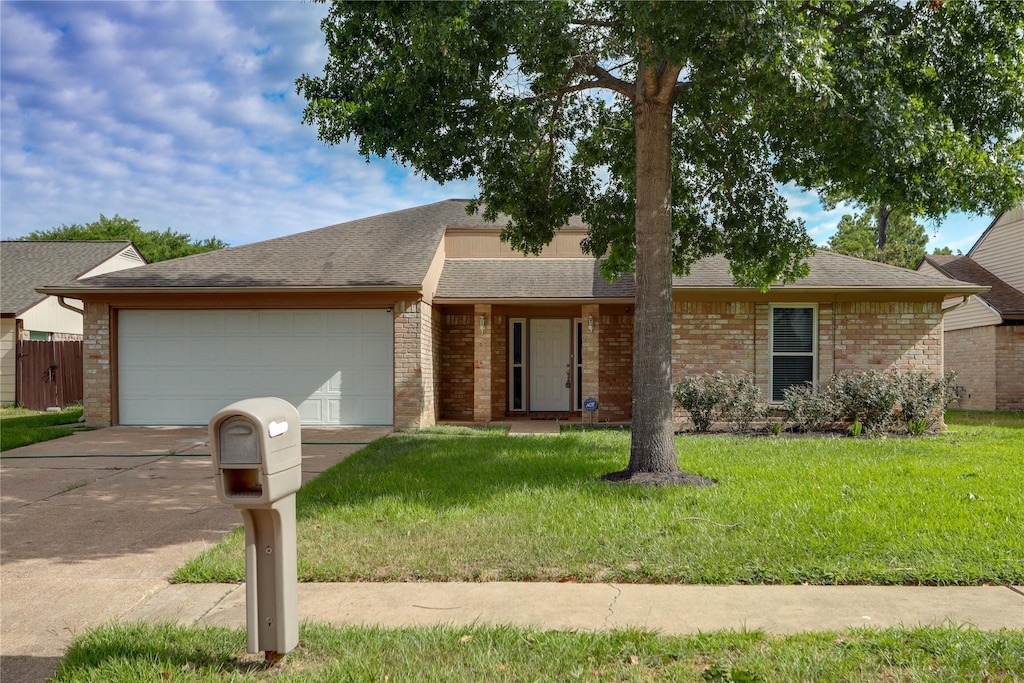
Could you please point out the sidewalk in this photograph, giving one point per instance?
(669, 609)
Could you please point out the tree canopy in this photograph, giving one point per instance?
(153, 244)
(671, 127)
(856, 235)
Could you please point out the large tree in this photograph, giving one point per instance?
(857, 235)
(670, 127)
(153, 244)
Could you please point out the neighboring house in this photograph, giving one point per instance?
(984, 338)
(28, 315)
(422, 315)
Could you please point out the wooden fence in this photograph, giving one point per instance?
(49, 374)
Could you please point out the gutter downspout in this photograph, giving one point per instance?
(64, 304)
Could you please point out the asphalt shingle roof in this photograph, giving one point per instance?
(828, 270)
(1005, 298)
(555, 278)
(390, 250)
(27, 265)
(529, 278)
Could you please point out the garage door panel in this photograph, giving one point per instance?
(181, 367)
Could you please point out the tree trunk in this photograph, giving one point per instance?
(883, 225)
(653, 444)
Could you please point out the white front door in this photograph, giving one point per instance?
(550, 364)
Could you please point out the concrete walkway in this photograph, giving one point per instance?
(92, 525)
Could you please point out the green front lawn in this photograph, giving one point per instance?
(155, 653)
(444, 507)
(20, 427)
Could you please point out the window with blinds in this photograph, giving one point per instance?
(794, 347)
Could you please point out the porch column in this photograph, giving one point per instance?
(482, 328)
(591, 360)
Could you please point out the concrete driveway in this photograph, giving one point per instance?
(93, 524)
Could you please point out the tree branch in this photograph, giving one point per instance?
(604, 79)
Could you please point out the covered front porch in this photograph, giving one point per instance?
(501, 362)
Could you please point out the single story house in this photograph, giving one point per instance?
(984, 337)
(424, 315)
(28, 315)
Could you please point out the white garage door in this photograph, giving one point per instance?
(181, 367)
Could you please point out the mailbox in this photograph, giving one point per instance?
(257, 451)
(257, 460)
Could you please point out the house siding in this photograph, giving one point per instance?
(1001, 249)
(1009, 353)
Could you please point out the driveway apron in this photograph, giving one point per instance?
(93, 525)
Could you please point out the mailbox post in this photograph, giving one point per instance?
(257, 460)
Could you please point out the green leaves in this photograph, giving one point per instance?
(154, 245)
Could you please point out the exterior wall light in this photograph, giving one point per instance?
(590, 323)
(483, 322)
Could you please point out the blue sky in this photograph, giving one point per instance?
(184, 115)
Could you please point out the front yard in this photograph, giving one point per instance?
(481, 506)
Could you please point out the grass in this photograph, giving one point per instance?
(939, 510)
(21, 427)
(166, 652)
(990, 418)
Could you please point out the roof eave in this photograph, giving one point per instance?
(956, 290)
(451, 300)
(78, 292)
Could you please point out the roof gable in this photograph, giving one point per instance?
(1005, 299)
(26, 265)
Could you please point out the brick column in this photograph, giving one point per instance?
(482, 362)
(409, 400)
(97, 369)
(592, 356)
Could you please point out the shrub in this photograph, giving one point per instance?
(923, 398)
(701, 396)
(742, 404)
(870, 398)
(809, 410)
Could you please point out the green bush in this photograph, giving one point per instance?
(870, 398)
(708, 398)
(872, 402)
(701, 396)
(742, 404)
(924, 398)
(808, 409)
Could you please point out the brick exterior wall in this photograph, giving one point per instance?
(615, 372)
(1010, 367)
(96, 367)
(710, 336)
(409, 394)
(853, 336)
(456, 366)
(871, 335)
(971, 354)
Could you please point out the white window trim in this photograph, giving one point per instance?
(771, 346)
